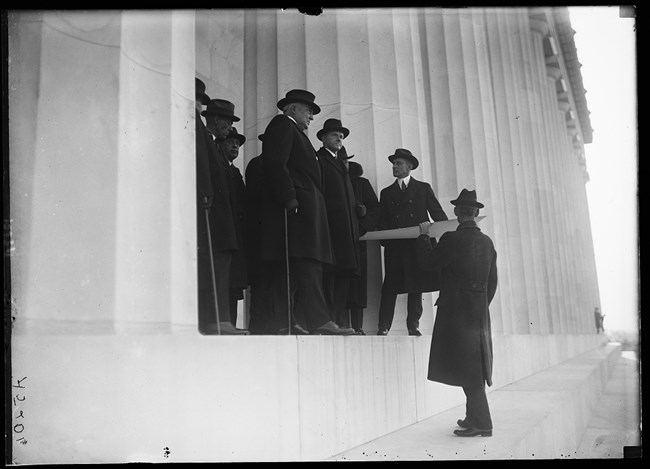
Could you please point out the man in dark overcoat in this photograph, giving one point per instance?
(342, 219)
(293, 179)
(461, 346)
(406, 202)
(238, 272)
(212, 197)
(267, 278)
(368, 216)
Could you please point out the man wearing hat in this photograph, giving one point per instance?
(238, 272)
(295, 200)
(406, 202)
(461, 346)
(219, 116)
(342, 220)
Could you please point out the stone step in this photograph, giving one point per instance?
(543, 416)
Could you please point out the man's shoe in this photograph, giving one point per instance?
(471, 431)
(331, 328)
(360, 332)
(295, 330)
(382, 332)
(228, 329)
(415, 332)
(463, 423)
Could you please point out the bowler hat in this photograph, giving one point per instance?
(342, 154)
(405, 154)
(234, 134)
(332, 125)
(221, 108)
(300, 96)
(467, 198)
(199, 87)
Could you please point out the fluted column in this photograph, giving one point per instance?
(183, 289)
(63, 142)
(261, 77)
(143, 267)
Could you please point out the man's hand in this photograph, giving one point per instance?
(361, 210)
(206, 202)
(292, 207)
(424, 227)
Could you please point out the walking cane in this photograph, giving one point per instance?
(214, 275)
(286, 258)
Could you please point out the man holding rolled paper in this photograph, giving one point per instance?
(405, 203)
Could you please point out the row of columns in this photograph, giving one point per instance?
(471, 92)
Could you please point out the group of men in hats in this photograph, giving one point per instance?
(291, 232)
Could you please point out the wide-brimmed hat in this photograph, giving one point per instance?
(299, 96)
(199, 87)
(467, 198)
(405, 154)
(332, 125)
(234, 134)
(342, 154)
(221, 108)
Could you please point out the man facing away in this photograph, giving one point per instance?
(406, 202)
(294, 218)
(461, 346)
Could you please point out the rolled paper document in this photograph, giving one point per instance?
(435, 231)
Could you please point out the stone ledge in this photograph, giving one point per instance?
(542, 416)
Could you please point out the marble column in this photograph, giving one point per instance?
(63, 142)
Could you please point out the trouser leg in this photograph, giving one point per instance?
(222, 273)
(478, 410)
(386, 309)
(413, 311)
(307, 291)
(356, 318)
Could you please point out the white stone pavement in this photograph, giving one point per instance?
(587, 407)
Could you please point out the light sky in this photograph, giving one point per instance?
(606, 47)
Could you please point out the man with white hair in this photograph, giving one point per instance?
(295, 212)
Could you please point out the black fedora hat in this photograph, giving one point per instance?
(467, 198)
(332, 125)
(234, 134)
(299, 96)
(199, 88)
(405, 154)
(342, 154)
(222, 108)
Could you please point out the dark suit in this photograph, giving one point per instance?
(212, 182)
(292, 171)
(461, 346)
(402, 275)
(344, 232)
(358, 295)
(238, 271)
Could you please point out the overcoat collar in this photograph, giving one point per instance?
(468, 225)
(327, 156)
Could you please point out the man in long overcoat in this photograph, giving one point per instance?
(238, 271)
(406, 202)
(368, 215)
(293, 179)
(461, 346)
(213, 198)
(342, 219)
